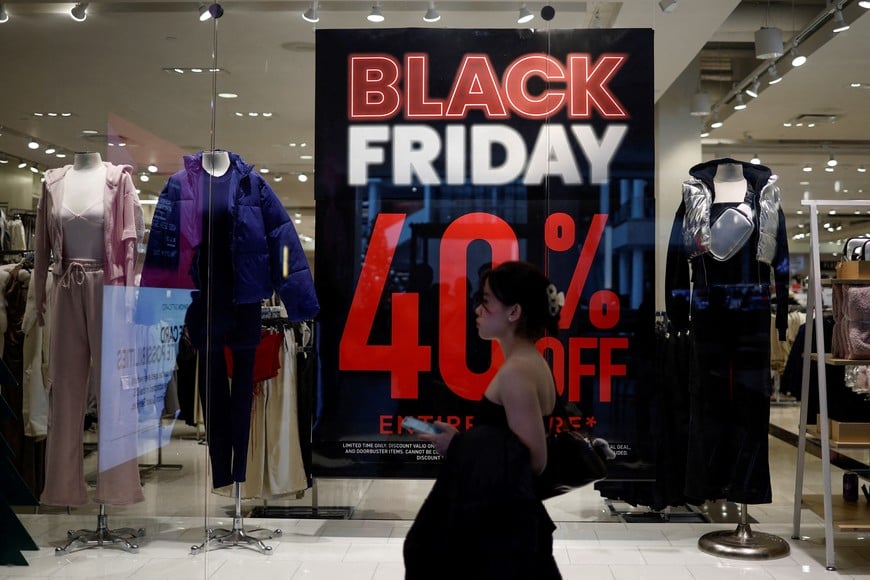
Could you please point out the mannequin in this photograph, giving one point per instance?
(82, 208)
(216, 163)
(231, 202)
(78, 206)
(729, 184)
(725, 305)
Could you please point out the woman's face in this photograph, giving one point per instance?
(491, 315)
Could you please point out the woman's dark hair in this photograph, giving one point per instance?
(523, 283)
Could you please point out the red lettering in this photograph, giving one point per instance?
(608, 369)
(374, 91)
(516, 79)
(453, 296)
(576, 369)
(589, 88)
(476, 87)
(604, 309)
(605, 369)
(372, 87)
(418, 104)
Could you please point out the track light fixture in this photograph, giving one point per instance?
(768, 42)
(431, 13)
(840, 24)
(525, 15)
(715, 122)
(861, 168)
(753, 89)
(4, 16)
(311, 15)
(797, 59)
(375, 15)
(739, 104)
(755, 159)
(832, 161)
(864, 4)
(807, 168)
(773, 74)
(79, 12)
(668, 6)
(204, 13)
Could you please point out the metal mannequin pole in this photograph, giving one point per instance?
(102, 536)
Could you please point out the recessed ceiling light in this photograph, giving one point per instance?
(33, 144)
(306, 157)
(89, 132)
(152, 168)
(228, 95)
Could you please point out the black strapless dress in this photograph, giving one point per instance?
(482, 518)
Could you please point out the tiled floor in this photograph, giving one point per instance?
(592, 540)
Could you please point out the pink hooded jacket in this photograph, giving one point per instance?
(123, 226)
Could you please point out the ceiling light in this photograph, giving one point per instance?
(739, 105)
(755, 159)
(432, 13)
(302, 178)
(752, 90)
(33, 144)
(311, 15)
(375, 15)
(861, 168)
(864, 4)
(22, 165)
(840, 24)
(831, 161)
(716, 123)
(768, 42)
(204, 13)
(807, 168)
(79, 12)
(144, 177)
(152, 168)
(50, 151)
(700, 104)
(773, 74)
(525, 15)
(829, 169)
(668, 6)
(797, 59)
(705, 133)
(4, 16)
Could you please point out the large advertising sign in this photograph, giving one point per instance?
(440, 153)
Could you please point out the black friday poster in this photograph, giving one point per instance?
(442, 152)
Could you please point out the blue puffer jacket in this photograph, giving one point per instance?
(266, 255)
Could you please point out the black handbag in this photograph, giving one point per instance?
(572, 459)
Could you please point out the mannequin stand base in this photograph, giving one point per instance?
(223, 538)
(743, 543)
(102, 536)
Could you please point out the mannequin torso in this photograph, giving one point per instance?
(729, 185)
(215, 163)
(82, 209)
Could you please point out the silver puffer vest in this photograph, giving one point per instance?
(698, 198)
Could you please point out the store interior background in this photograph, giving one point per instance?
(117, 75)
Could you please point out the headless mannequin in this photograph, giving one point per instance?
(83, 189)
(215, 163)
(729, 184)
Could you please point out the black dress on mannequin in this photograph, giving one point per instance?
(727, 313)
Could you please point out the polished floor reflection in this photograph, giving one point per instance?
(595, 539)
